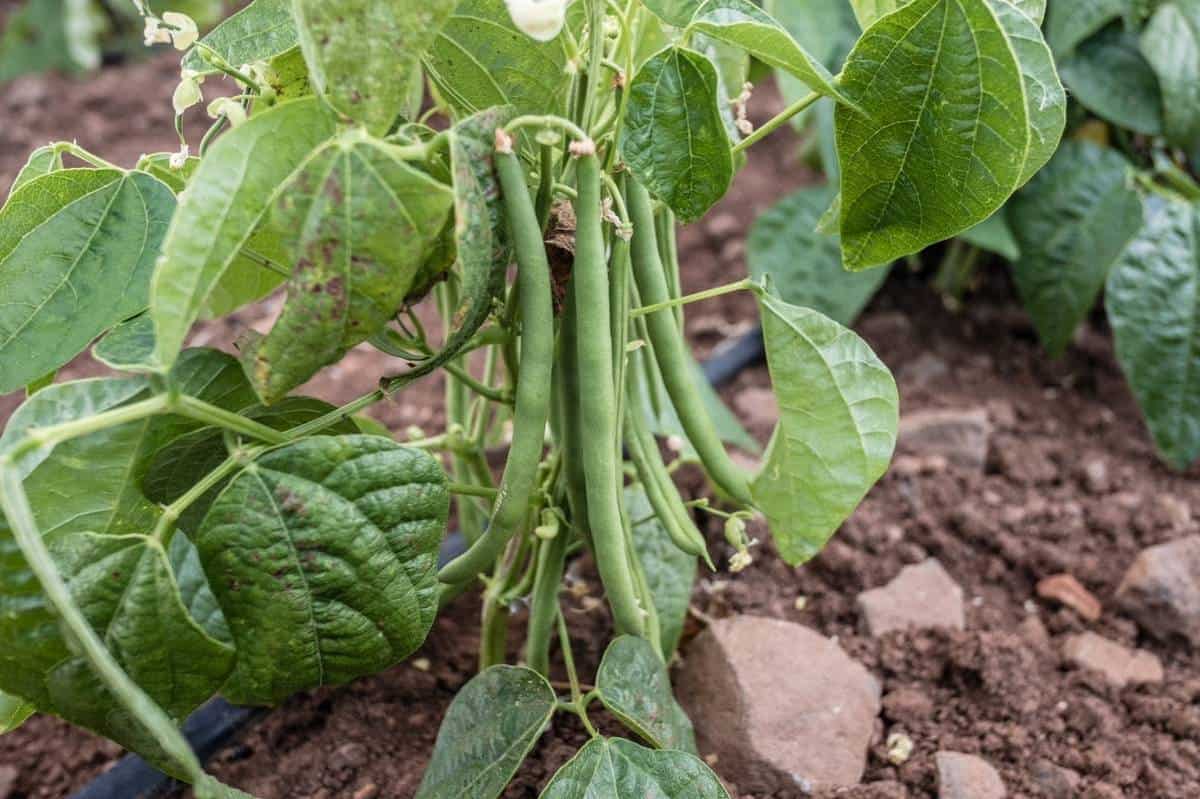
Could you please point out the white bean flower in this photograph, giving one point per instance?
(174, 28)
(539, 19)
(233, 110)
(187, 93)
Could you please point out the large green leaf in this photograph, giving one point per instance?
(1171, 43)
(962, 106)
(745, 25)
(1153, 303)
(634, 686)
(1072, 222)
(804, 266)
(1109, 76)
(362, 54)
(614, 768)
(238, 181)
(14, 712)
(490, 727)
(358, 222)
(260, 31)
(42, 161)
(1070, 22)
(674, 138)
(480, 60)
(77, 248)
(670, 572)
(839, 413)
(323, 556)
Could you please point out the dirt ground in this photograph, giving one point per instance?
(998, 689)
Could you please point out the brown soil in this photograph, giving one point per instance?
(998, 689)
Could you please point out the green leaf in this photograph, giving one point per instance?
(1153, 303)
(634, 686)
(39, 37)
(488, 731)
(869, 11)
(359, 223)
(128, 347)
(480, 60)
(994, 235)
(42, 161)
(670, 572)
(77, 248)
(238, 181)
(1171, 44)
(674, 12)
(826, 30)
(1070, 23)
(839, 413)
(805, 267)
(614, 768)
(362, 54)
(13, 712)
(745, 25)
(259, 32)
(936, 154)
(1109, 76)
(159, 165)
(1072, 222)
(323, 557)
(674, 138)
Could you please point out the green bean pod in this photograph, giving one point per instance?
(598, 403)
(672, 355)
(533, 388)
(568, 388)
(543, 603)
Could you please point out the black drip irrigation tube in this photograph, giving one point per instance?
(217, 723)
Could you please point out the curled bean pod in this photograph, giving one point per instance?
(598, 402)
(533, 388)
(671, 353)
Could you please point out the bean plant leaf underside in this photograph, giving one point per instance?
(1072, 222)
(839, 413)
(77, 249)
(1153, 303)
(260, 31)
(634, 686)
(954, 123)
(490, 728)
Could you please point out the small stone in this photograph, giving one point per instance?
(900, 748)
(8, 781)
(1102, 790)
(1054, 781)
(1034, 632)
(759, 405)
(1176, 512)
(1119, 665)
(926, 368)
(368, 791)
(876, 790)
(907, 705)
(967, 777)
(1064, 588)
(786, 704)
(921, 597)
(1161, 590)
(961, 436)
(1094, 473)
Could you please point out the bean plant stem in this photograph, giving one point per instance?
(742, 285)
(210, 414)
(776, 122)
(472, 490)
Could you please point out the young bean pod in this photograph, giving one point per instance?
(671, 352)
(598, 402)
(543, 603)
(533, 388)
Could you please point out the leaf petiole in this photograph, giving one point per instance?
(776, 122)
(747, 284)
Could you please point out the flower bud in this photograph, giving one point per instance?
(231, 108)
(179, 160)
(539, 19)
(184, 31)
(187, 94)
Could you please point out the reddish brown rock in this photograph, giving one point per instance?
(961, 436)
(788, 706)
(921, 597)
(1161, 590)
(967, 777)
(1067, 590)
(1119, 665)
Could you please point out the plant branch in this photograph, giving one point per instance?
(776, 122)
(742, 285)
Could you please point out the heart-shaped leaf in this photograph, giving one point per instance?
(934, 154)
(238, 181)
(488, 731)
(674, 138)
(1072, 222)
(77, 248)
(1153, 306)
(634, 686)
(362, 54)
(614, 768)
(839, 414)
(323, 556)
(358, 221)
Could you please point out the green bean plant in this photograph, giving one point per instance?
(1114, 215)
(191, 525)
